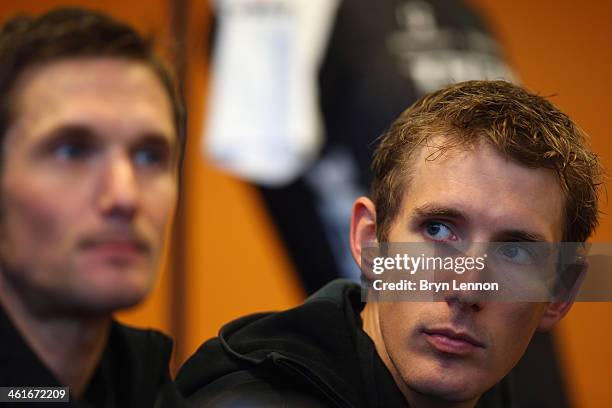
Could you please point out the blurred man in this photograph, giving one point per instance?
(476, 162)
(91, 129)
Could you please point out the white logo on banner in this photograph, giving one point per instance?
(429, 54)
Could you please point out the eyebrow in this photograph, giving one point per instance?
(430, 210)
(520, 235)
(157, 137)
(71, 130)
(84, 130)
(434, 210)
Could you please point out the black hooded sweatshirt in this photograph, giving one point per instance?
(315, 355)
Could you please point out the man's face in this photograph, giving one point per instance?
(467, 196)
(88, 184)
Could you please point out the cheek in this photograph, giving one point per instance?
(160, 202)
(398, 321)
(512, 328)
(34, 221)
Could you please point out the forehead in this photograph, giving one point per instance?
(108, 91)
(491, 191)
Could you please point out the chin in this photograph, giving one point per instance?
(447, 385)
(447, 392)
(105, 303)
(113, 292)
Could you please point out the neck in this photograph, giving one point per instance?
(69, 346)
(371, 325)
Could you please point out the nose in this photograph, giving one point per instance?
(463, 302)
(466, 299)
(118, 194)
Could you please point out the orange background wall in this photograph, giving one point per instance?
(226, 258)
(233, 260)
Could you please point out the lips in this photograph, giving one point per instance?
(118, 247)
(115, 246)
(450, 341)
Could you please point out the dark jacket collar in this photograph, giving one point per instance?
(320, 341)
(20, 365)
(133, 368)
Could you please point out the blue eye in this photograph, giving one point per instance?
(438, 231)
(147, 157)
(70, 151)
(516, 254)
(152, 153)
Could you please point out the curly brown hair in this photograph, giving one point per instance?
(523, 126)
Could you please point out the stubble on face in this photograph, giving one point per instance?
(88, 184)
(492, 195)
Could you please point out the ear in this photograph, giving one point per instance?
(559, 308)
(363, 227)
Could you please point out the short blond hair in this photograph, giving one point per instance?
(524, 127)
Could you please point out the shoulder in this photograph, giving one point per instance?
(298, 357)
